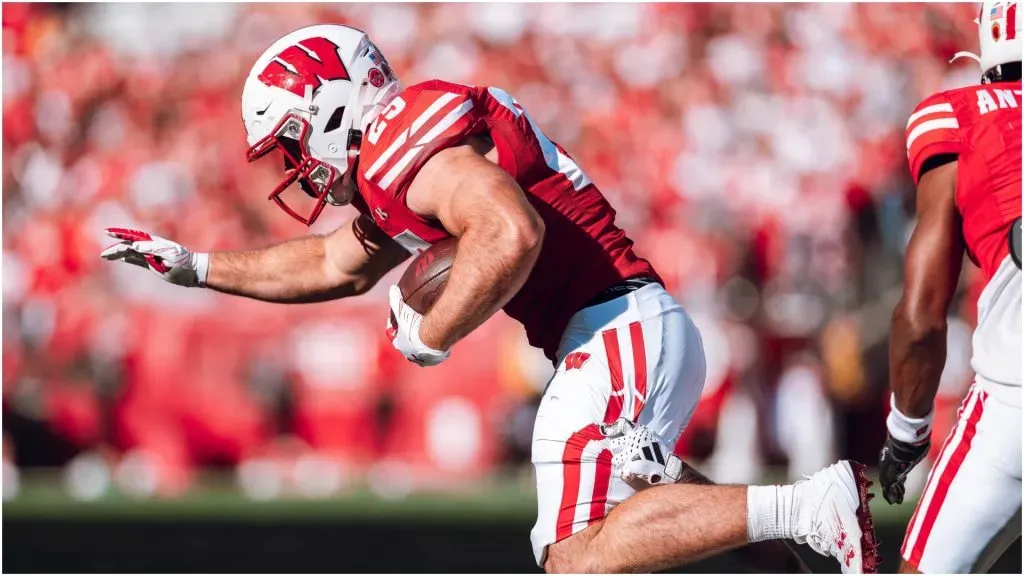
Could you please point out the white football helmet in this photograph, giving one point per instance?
(312, 95)
(999, 40)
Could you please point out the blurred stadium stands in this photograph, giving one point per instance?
(754, 152)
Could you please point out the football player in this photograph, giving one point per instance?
(964, 149)
(537, 239)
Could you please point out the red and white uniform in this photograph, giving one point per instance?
(966, 512)
(584, 251)
(638, 356)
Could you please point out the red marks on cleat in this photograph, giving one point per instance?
(868, 542)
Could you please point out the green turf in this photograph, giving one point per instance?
(217, 497)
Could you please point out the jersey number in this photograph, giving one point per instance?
(378, 125)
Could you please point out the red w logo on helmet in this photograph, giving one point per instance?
(308, 64)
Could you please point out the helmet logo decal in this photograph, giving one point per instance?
(310, 63)
(376, 77)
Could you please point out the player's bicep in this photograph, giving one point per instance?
(359, 253)
(935, 252)
(461, 188)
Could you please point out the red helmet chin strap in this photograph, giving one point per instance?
(318, 176)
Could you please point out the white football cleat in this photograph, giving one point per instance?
(833, 517)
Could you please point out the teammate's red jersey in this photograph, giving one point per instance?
(982, 126)
(584, 251)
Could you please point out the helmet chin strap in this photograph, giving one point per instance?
(353, 115)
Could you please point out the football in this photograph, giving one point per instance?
(427, 275)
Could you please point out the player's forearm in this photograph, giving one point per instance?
(917, 354)
(490, 267)
(291, 272)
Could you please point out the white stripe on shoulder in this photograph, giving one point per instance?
(423, 118)
(383, 158)
(446, 122)
(433, 109)
(928, 126)
(399, 167)
(933, 109)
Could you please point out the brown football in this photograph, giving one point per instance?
(427, 275)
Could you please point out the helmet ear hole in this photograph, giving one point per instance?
(334, 122)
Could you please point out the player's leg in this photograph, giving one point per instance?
(671, 525)
(667, 525)
(612, 368)
(657, 529)
(969, 512)
(770, 556)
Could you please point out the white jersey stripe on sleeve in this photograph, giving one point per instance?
(933, 109)
(433, 109)
(446, 122)
(417, 124)
(928, 126)
(399, 167)
(383, 158)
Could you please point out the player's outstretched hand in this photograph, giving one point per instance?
(168, 260)
(895, 462)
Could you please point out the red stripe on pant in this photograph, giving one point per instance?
(572, 462)
(611, 348)
(935, 470)
(602, 479)
(636, 339)
(946, 478)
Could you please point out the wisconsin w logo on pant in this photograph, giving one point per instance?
(576, 360)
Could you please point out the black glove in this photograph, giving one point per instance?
(895, 461)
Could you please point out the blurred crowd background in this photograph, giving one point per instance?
(754, 152)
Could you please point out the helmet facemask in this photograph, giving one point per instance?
(320, 180)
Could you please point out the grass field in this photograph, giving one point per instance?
(483, 527)
(42, 496)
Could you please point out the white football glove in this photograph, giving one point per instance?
(639, 457)
(404, 332)
(168, 260)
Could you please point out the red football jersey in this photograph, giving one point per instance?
(981, 125)
(584, 251)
